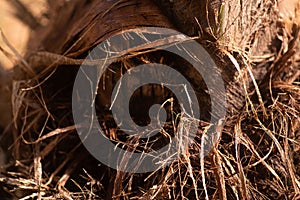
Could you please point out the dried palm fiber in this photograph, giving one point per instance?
(84, 24)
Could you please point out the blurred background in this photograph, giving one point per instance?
(14, 30)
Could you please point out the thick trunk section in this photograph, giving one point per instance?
(228, 31)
